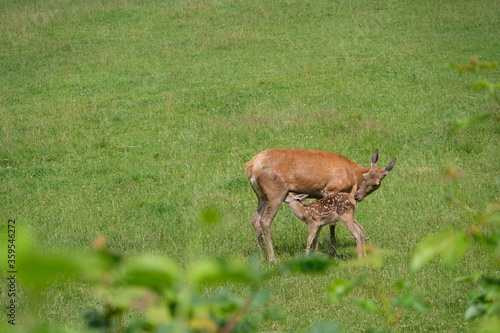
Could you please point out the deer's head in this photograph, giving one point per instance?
(373, 178)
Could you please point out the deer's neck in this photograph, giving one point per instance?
(358, 174)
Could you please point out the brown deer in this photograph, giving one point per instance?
(327, 211)
(275, 172)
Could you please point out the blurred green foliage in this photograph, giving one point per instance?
(167, 298)
(477, 65)
(451, 245)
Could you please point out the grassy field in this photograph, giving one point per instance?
(128, 118)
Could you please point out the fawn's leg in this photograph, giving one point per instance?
(315, 240)
(358, 232)
(313, 229)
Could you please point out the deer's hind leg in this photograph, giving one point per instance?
(271, 192)
(269, 212)
(257, 227)
(333, 242)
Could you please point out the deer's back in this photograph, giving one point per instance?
(306, 171)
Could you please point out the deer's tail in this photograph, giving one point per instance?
(249, 167)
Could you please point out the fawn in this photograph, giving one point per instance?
(327, 211)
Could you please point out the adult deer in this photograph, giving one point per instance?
(275, 172)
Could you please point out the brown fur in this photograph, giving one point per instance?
(275, 172)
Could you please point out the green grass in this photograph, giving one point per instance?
(127, 118)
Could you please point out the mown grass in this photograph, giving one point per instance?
(128, 118)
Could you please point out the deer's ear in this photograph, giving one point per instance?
(390, 166)
(375, 156)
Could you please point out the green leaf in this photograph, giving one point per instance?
(410, 301)
(94, 264)
(403, 285)
(463, 68)
(486, 85)
(474, 311)
(455, 249)
(154, 272)
(220, 304)
(341, 287)
(210, 216)
(426, 251)
(215, 271)
(450, 245)
(494, 308)
(307, 263)
(474, 65)
(481, 85)
(325, 327)
(49, 328)
(489, 325)
(261, 298)
(157, 315)
(471, 121)
(40, 270)
(370, 306)
(475, 278)
(125, 298)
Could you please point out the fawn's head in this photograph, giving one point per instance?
(292, 196)
(373, 178)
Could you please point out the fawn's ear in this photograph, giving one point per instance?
(301, 197)
(354, 189)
